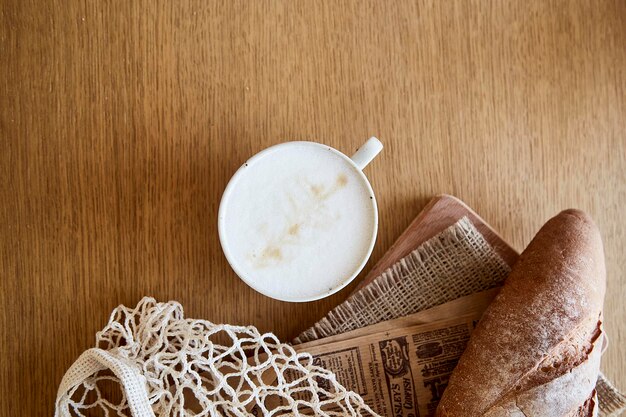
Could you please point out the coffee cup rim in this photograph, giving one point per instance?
(226, 196)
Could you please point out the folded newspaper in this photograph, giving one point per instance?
(396, 341)
(401, 367)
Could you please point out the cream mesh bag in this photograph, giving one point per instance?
(167, 365)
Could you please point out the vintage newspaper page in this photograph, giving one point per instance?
(399, 372)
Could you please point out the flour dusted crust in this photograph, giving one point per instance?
(536, 351)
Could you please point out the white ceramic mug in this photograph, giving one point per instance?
(298, 221)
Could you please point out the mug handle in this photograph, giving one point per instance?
(367, 152)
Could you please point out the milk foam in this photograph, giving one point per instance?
(298, 221)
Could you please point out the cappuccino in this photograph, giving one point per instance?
(297, 221)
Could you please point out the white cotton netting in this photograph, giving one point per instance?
(151, 361)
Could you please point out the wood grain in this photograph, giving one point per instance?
(122, 121)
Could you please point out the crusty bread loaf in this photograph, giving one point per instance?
(536, 350)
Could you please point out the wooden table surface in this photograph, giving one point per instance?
(122, 121)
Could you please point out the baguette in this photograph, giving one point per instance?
(536, 350)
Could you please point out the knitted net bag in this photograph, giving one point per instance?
(166, 365)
